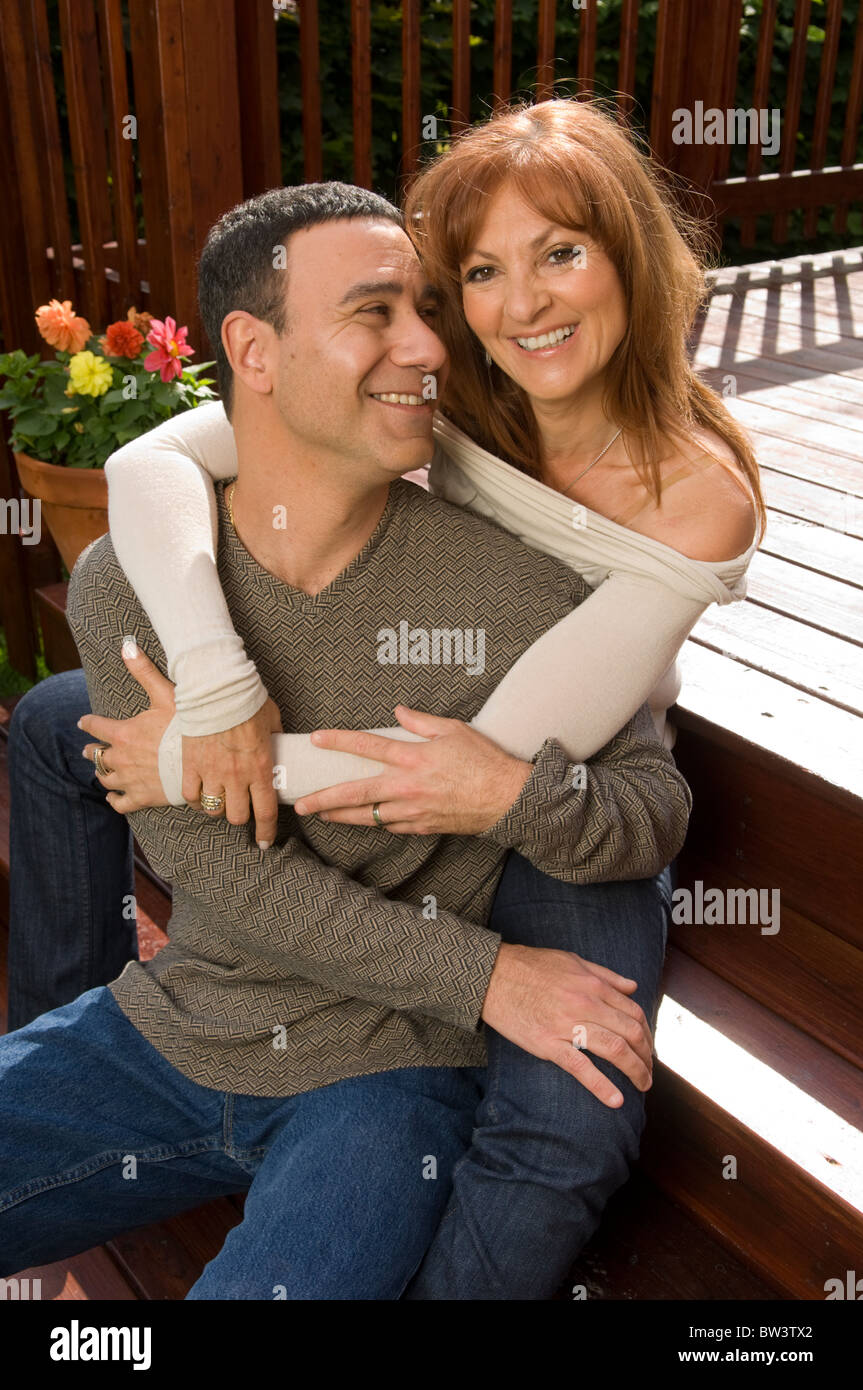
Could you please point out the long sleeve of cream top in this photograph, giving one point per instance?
(580, 682)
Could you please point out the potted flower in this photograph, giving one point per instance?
(69, 413)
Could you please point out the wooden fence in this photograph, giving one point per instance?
(170, 113)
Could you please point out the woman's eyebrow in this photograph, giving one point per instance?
(534, 244)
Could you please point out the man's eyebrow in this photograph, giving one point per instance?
(368, 289)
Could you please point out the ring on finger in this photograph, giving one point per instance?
(102, 770)
(212, 803)
(376, 816)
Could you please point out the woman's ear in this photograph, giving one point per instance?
(251, 348)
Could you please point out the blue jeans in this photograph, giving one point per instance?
(530, 1185)
(98, 1134)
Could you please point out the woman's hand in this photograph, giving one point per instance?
(132, 752)
(237, 765)
(457, 783)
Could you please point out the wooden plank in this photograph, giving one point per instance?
(90, 1276)
(61, 654)
(841, 441)
(796, 388)
(791, 111)
(163, 1260)
(51, 156)
(815, 547)
(760, 94)
(820, 665)
(310, 83)
(80, 45)
(801, 188)
(766, 720)
(649, 1248)
(546, 12)
(773, 798)
(258, 86)
(817, 599)
(791, 972)
(460, 110)
(411, 78)
(799, 499)
(810, 306)
(745, 332)
(586, 70)
(853, 112)
(626, 61)
(804, 461)
(113, 49)
(502, 68)
(361, 45)
(213, 118)
(824, 100)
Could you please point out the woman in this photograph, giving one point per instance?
(571, 416)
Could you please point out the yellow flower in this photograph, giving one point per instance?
(90, 375)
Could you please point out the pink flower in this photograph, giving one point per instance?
(170, 347)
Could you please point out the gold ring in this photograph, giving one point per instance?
(377, 815)
(102, 770)
(212, 803)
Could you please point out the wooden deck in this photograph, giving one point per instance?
(760, 1040)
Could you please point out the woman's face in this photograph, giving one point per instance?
(526, 278)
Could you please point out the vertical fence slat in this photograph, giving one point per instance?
(361, 60)
(411, 113)
(502, 77)
(824, 101)
(850, 135)
(258, 84)
(667, 71)
(796, 70)
(26, 138)
(460, 112)
(733, 20)
(310, 86)
(760, 97)
(121, 148)
(587, 50)
(60, 237)
(545, 49)
(81, 58)
(628, 51)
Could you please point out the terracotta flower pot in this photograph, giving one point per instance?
(74, 503)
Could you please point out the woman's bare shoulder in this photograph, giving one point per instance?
(706, 509)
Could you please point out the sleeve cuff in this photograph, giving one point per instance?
(217, 687)
(554, 779)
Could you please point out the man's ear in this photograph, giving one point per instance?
(251, 348)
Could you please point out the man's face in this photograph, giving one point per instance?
(360, 334)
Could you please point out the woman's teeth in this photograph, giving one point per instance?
(391, 398)
(547, 339)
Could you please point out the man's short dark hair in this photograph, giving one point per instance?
(239, 266)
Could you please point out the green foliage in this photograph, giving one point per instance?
(81, 431)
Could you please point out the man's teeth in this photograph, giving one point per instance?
(547, 339)
(392, 398)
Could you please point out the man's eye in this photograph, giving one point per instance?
(478, 275)
(375, 309)
(431, 311)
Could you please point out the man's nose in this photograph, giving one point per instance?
(417, 345)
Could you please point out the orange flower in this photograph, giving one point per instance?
(61, 327)
(141, 320)
(122, 339)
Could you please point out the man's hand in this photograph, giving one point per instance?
(236, 765)
(457, 782)
(132, 751)
(544, 1000)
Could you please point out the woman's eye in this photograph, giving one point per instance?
(569, 254)
(478, 275)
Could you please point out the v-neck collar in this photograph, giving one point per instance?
(358, 571)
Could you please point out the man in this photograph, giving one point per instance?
(311, 1033)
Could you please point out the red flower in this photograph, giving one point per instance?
(170, 346)
(122, 339)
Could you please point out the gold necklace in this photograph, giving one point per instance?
(230, 500)
(600, 455)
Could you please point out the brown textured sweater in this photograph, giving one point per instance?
(345, 950)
